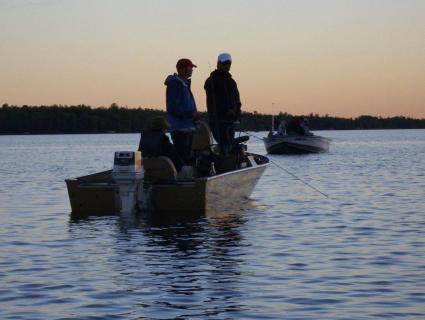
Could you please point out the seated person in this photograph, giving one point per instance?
(275, 124)
(155, 143)
(305, 128)
(281, 130)
(295, 126)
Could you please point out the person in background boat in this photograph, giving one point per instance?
(181, 108)
(298, 125)
(223, 103)
(305, 128)
(155, 143)
(281, 129)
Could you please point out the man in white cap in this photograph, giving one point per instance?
(223, 103)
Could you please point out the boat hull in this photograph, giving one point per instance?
(206, 194)
(94, 194)
(296, 144)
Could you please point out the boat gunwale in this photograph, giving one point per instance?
(82, 179)
(206, 179)
(191, 182)
(232, 172)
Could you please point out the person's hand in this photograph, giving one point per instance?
(230, 113)
(197, 115)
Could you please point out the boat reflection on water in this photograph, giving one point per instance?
(171, 264)
(212, 215)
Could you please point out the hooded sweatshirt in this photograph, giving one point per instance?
(180, 104)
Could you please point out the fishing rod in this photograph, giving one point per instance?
(272, 127)
(287, 171)
(215, 111)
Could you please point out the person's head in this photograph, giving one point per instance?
(159, 124)
(224, 62)
(185, 68)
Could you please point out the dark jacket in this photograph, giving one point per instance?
(222, 96)
(180, 103)
(155, 144)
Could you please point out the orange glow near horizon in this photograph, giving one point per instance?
(341, 58)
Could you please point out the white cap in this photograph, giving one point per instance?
(224, 57)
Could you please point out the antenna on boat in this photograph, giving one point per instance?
(271, 130)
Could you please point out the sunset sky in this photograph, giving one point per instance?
(338, 57)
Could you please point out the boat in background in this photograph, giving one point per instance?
(152, 185)
(295, 144)
(294, 139)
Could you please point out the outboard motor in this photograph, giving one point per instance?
(128, 174)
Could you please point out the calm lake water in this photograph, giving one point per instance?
(290, 253)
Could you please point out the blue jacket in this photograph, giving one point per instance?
(180, 104)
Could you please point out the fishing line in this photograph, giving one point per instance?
(287, 171)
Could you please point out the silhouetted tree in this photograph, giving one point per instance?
(84, 119)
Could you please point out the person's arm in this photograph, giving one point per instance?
(207, 86)
(175, 101)
(238, 101)
(172, 99)
(217, 97)
(140, 142)
(211, 99)
(210, 106)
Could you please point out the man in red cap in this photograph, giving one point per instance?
(181, 107)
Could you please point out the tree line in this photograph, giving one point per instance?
(57, 119)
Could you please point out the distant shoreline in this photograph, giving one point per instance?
(82, 119)
(237, 130)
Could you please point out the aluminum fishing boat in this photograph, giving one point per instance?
(152, 185)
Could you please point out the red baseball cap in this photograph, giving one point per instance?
(183, 63)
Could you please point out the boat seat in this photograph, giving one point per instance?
(202, 139)
(159, 170)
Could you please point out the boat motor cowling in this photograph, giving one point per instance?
(128, 173)
(127, 165)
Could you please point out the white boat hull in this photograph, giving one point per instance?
(277, 144)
